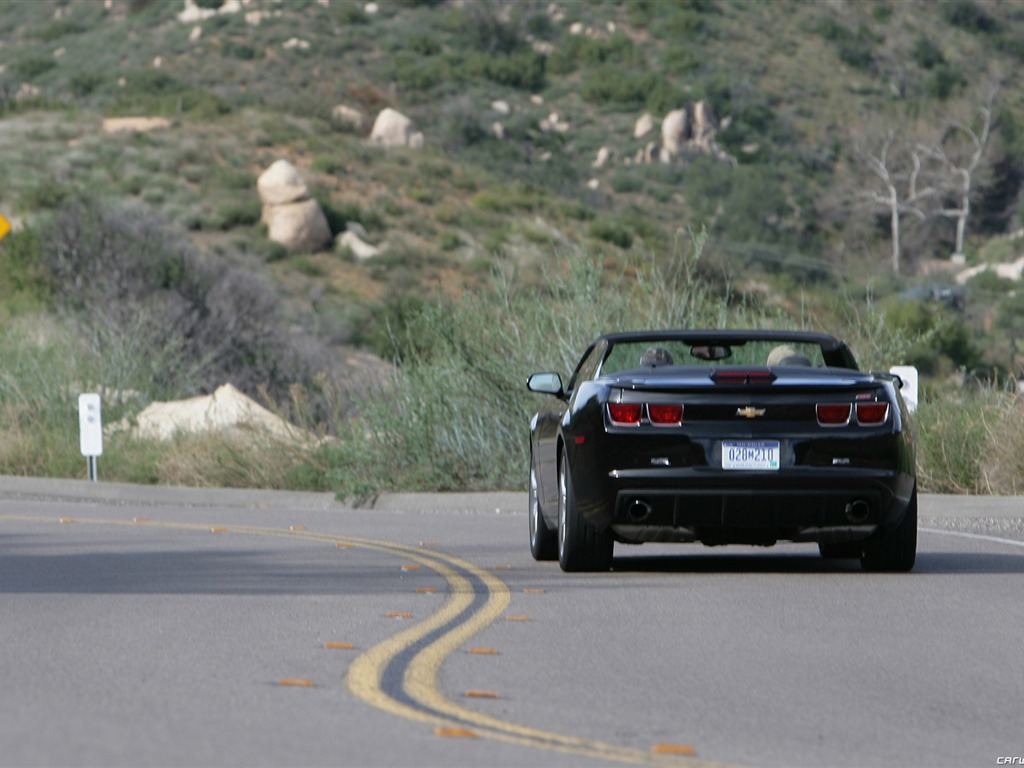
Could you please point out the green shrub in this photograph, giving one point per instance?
(31, 66)
(945, 80)
(469, 434)
(954, 435)
(611, 85)
(47, 194)
(239, 213)
(611, 232)
(967, 15)
(510, 197)
(522, 71)
(927, 54)
(627, 180)
(23, 279)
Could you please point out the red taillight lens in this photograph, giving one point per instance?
(872, 413)
(625, 413)
(834, 414)
(665, 414)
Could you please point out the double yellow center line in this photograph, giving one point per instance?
(399, 675)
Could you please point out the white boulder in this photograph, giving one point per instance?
(281, 183)
(393, 129)
(301, 227)
(225, 410)
(351, 242)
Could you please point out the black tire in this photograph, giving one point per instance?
(896, 550)
(841, 550)
(543, 541)
(580, 546)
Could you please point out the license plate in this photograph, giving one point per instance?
(750, 454)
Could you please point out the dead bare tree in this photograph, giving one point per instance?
(959, 154)
(899, 168)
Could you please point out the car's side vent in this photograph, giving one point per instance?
(740, 376)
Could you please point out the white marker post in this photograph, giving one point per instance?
(909, 375)
(90, 426)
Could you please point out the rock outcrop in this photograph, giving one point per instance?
(393, 129)
(293, 218)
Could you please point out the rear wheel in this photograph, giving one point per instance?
(894, 550)
(543, 541)
(580, 546)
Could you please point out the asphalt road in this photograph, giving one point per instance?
(177, 627)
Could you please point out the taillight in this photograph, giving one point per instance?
(665, 415)
(625, 413)
(834, 414)
(872, 413)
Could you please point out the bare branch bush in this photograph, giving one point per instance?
(181, 322)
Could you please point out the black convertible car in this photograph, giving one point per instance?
(722, 437)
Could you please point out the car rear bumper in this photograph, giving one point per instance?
(752, 507)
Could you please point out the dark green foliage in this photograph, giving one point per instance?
(84, 83)
(418, 76)
(627, 180)
(336, 219)
(945, 342)
(394, 331)
(521, 70)
(339, 214)
(424, 44)
(481, 28)
(23, 274)
(461, 127)
(61, 28)
(351, 14)
(753, 122)
(153, 92)
(945, 80)
(241, 51)
(46, 194)
(239, 213)
(578, 51)
(853, 48)
(926, 54)
(611, 232)
(31, 66)
(611, 85)
(967, 15)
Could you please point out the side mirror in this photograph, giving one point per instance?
(545, 384)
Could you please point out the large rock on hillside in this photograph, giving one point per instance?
(293, 218)
(675, 130)
(226, 410)
(281, 183)
(393, 129)
(300, 227)
(691, 130)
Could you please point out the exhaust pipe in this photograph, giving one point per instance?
(857, 511)
(638, 510)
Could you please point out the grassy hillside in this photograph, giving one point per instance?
(802, 93)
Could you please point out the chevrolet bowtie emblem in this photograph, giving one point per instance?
(750, 412)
